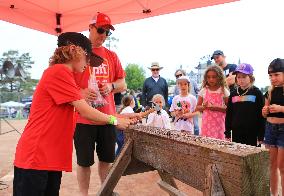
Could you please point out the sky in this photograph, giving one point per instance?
(249, 30)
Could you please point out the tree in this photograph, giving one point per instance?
(171, 82)
(111, 42)
(135, 76)
(16, 87)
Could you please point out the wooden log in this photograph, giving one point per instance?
(117, 170)
(243, 170)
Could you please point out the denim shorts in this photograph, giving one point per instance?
(274, 135)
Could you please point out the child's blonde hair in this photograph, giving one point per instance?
(65, 54)
(159, 96)
(220, 77)
(126, 101)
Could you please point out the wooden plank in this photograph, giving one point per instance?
(213, 183)
(169, 189)
(166, 177)
(117, 169)
(136, 167)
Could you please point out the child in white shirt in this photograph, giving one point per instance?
(128, 104)
(159, 118)
(183, 106)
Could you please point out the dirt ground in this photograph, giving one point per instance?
(144, 184)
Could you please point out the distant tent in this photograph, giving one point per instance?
(11, 104)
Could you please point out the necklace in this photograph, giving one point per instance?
(242, 93)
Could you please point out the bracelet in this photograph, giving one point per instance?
(112, 120)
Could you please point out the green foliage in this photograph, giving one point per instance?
(135, 76)
(171, 82)
(13, 89)
(14, 56)
(111, 42)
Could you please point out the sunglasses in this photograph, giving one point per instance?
(155, 69)
(101, 30)
(179, 75)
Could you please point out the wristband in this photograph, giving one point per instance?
(112, 120)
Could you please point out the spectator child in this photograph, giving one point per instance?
(273, 111)
(128, 104)
(243, 117)
(159, 118)
(183, 106)
(212, 100)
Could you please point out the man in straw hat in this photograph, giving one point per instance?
(154, 85)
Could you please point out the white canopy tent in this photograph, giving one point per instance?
(12, 104)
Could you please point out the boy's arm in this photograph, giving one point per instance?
(93, 114)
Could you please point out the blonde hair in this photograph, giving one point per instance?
(220, 77)
(65, 54)
(159, 96)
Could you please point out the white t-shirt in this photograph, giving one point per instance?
(219, 90)
(188, 104)
(159, 120)
(127, 110)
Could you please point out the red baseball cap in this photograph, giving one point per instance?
(101, 19)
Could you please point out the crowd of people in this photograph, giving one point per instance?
(75, 100)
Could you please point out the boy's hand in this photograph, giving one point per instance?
(123, 123)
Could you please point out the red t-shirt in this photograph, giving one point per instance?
(47, 141)
(108, 72)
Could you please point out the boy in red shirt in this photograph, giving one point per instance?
(45, 147)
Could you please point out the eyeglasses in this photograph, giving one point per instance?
(179, 75)
(155, 69)
(101, 30)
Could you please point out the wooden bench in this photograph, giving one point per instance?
(215, 167)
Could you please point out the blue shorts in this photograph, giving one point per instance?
(274, 135)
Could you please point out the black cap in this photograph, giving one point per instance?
(277, 65)
(81, 40)
(217, 52)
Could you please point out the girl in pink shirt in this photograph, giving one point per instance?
(212, 101)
